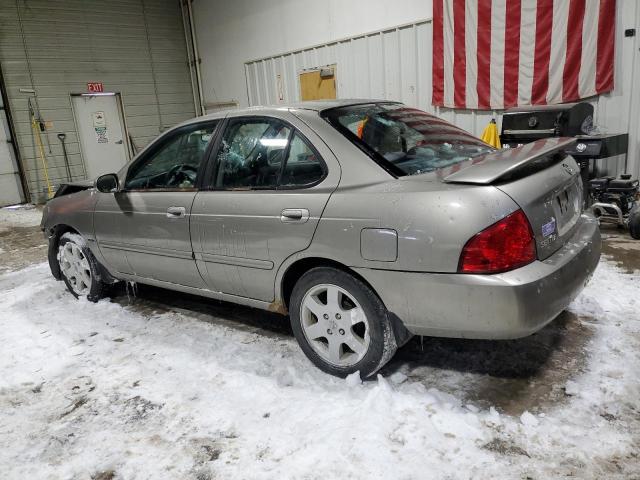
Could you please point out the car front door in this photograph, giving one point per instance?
(143, 229)
(271, 182)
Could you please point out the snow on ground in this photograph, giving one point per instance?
(89, 388)
(26, 215)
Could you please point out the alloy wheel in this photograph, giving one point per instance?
(335, 325)
(75, 267)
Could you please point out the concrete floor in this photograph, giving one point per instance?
(514, 376)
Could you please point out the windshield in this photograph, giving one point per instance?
(405, 141)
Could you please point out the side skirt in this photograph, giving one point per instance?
(249, 302)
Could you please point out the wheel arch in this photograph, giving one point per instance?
(299, 267)
(55, 234)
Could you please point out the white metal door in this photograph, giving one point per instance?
(10, 186)
(101, 132)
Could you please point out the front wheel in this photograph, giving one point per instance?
(340, 323)
(79, 268)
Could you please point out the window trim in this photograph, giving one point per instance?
(162, 141)
(212, 170)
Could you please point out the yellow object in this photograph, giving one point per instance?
(490, 135)
(36, 134)
(314, 87)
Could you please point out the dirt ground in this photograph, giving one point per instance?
(515, 376)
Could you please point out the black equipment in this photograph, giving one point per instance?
(614, 201)
(597, 155)
(525, 124)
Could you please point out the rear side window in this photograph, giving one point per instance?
(302, 167)
(265, 153)
(405, 141)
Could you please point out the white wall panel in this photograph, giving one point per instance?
(395, 64)
(389, 64)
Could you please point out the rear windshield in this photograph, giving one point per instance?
(403, 140)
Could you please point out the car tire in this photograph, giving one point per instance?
(79, 268)
(340, 323)
(634, 222)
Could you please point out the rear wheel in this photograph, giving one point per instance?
(79, 268)
(634, 222)
(340, 323)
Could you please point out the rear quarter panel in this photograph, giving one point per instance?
(433, 220)
(432, 226)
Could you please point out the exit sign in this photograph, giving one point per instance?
(95, 87)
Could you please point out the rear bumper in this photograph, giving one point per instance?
(507, 305)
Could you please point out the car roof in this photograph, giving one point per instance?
(320, 105)
(313, 105)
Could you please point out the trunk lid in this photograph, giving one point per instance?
(541, 179)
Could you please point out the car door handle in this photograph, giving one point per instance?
(294, 215)
(176, 212)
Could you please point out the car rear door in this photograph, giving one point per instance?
(144, 228)
(272, 179)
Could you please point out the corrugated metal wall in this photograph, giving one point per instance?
(395, 64)
(134, 47)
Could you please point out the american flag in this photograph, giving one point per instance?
(494, 54)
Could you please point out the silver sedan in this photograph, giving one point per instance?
(366, 221)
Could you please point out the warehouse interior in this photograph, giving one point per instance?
(50, 53)
(168, 63)
(197, 382)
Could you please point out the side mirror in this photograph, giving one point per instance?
(107, 183)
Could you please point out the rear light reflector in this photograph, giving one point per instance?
(504, 246)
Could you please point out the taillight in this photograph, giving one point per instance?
(503, 246)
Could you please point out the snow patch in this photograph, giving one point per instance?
(26, 215)
(88, 388)
(528, 419)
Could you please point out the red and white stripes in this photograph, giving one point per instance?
(493, 54)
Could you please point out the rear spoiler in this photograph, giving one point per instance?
(488, 168)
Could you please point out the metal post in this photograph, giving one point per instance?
(12, 138)
(62, 136)
(194, 86)
(196, 56)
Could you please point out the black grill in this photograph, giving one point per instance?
(526, 124)
(597, 154)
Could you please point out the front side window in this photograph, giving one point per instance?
(406, 141)
(174, 164)
(265, 153)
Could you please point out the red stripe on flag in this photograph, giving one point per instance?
(483, 85)
(573, 59)
(459, 55)
(437, 95)
(606, 46)
(512, 53)
(544, 17)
